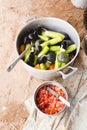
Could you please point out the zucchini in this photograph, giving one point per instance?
(43, 38)
(71, 48)
(54, 48)
(53, 34)
(44, 51)
(55, 40)
(44, 44)
(57, 63)
(27, 53)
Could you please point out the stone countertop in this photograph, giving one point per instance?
(18, 85)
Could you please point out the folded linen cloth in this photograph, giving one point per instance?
(37, 121)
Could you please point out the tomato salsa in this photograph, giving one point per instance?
(47, 102)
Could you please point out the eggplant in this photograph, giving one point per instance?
(31, 59)
(38, 30)
(42, 59)
(66, 43)
(66, 36)
(31, 36)
(37, 50)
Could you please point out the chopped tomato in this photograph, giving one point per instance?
(47, 102)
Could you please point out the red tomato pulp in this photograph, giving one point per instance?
(47, 102)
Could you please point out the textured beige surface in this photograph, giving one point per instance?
(17, 86)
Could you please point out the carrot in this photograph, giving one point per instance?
(37, 66)
(51, 67)
(21, 49)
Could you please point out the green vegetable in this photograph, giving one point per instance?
(27, 53)
(43, 38)
(54, 48)
(44, 51)
(51, 56)
(52, 42)
(53, 34)
(63, 57)
(57, 63)
(35, 59)
(32, 49)
(44, 44)
(43, 66)
(71, 48)
(55, 40)
(37, 43)
(43, 33)
(63, 64)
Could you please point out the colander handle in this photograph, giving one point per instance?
(64, 76)
(28, 19)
